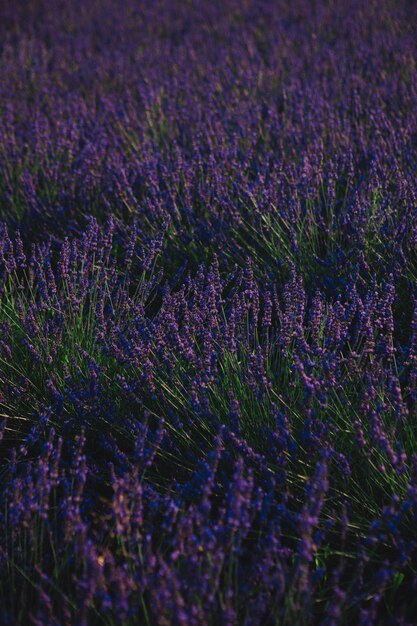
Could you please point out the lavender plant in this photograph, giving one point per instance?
(208, 313)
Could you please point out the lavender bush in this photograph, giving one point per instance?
(208, 313)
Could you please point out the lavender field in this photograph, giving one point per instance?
(208, 312)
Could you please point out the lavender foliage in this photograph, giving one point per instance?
(208, 313)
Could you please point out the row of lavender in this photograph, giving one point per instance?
(255, 127)
(208, 313)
